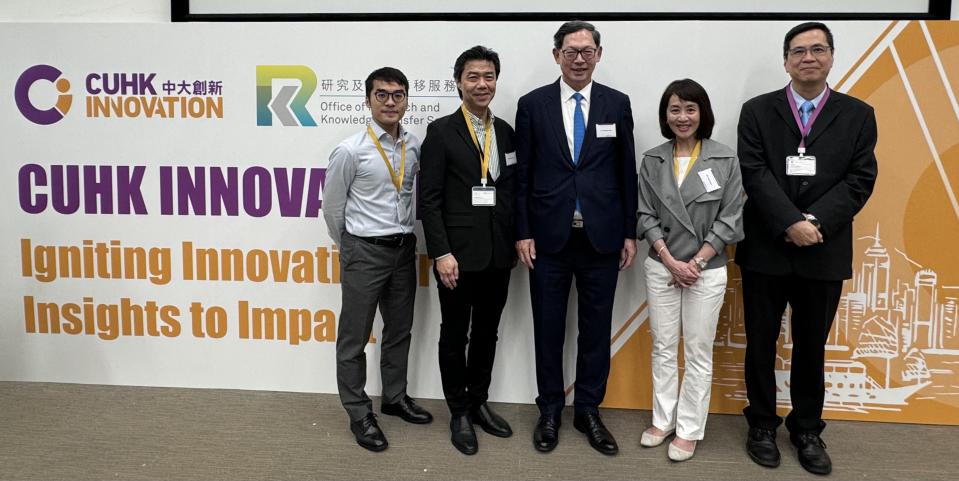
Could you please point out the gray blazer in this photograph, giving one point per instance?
(686, 216)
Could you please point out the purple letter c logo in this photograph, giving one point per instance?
(22, 94)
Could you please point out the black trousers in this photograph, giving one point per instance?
(596, 275)
(813, 304)
(471, 314)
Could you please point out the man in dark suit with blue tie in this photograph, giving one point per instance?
(575, 218)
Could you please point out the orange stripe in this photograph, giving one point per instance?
(620, 332)
(629, 321)
(863, 57)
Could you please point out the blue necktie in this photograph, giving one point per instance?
(579, 133)
(579, 127)
(804, 110)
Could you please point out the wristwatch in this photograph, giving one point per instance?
(700, 262)
(813, 220)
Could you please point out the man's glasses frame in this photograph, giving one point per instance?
(818, 51)
(382, 95)
(571, 53)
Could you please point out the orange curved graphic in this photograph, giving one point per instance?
(893, 354)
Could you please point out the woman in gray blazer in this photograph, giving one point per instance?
(690, 209)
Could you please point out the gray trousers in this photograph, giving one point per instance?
(371, 276)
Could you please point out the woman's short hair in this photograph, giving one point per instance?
(690, 91)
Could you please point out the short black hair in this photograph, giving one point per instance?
(805, 27)
(386, 74)
(690, 91)
(478, 52)
(574, 26)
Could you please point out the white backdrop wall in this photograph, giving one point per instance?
(85, 11)
(733, 60)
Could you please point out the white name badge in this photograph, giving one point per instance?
(484, 196)
(605, 130)
(801, 165)
(510, 158)
(709, 182)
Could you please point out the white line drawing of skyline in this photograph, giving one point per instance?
(899, 316)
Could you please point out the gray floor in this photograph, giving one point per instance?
(69, 431)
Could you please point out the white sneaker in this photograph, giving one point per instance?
(650, 440)
(675, 453)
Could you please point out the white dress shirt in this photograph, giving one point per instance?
(359, 196)
(799, 100)
(569, 107)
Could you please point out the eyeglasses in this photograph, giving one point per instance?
(817, 51)
(571, 53)
(382, 95)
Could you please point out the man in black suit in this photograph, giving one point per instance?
(466, 204)
(576, 197)
(806, 154)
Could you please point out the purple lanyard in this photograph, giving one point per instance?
(804, 130)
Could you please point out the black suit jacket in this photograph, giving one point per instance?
(843, 139)
(548, 182)
(449, 169)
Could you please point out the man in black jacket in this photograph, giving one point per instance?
(808, 165)
(466, 205)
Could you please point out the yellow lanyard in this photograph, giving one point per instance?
(488, 141)
(692, 160)
(397, 179)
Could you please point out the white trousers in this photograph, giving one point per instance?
(692, 312)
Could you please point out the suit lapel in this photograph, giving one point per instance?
(500, 151)
(664, 186)
(784, 111)
(554, 115)
(462, 131)
(830, 111)
(692, 187)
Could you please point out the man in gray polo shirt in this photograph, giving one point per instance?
(368, 208)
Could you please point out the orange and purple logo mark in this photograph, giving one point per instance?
(21, 92)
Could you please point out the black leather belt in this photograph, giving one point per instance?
(396, 240)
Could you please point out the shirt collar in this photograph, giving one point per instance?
(478, 121)
(380, 132)
(566, 92)
(799, 99)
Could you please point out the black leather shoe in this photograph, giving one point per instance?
(490, 421)
(546, 434)
(599, 437)
(408, 411)
(462, 434)
(368, 433)
(812, 452)
(761, 446)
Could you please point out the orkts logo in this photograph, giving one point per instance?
(283, 91)
(127, 95)
(289, 104)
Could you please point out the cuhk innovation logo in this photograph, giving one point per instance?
(31, 76)
(289, 102)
